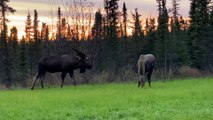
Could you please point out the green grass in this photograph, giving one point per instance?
(174, 100)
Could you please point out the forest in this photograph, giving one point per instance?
(182, 46)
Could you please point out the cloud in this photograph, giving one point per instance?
(145, 8)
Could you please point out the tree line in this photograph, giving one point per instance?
(174, 41)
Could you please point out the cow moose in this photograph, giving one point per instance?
(146, 65)
(64, 64)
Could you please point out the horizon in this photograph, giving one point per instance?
(47, 9)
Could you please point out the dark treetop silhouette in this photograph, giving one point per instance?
(146, 65)
(64, 64)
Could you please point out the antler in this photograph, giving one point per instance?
(80, 54)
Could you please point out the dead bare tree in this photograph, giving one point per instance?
(78, 14)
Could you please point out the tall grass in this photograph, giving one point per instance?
(172, 100)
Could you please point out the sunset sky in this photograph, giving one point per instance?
(145, 8)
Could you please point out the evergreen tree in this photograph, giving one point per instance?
(175, 8)
(69, 33)
(63, 28)
(105, 20)
(47, 33)
(97, 27)
(64, 43)
(137, 28)
(43, 31)
(183, 24)
(37, 39)
(151, 25)
(150, 36)
(175, 54)
(162, 35)
(22, 62)
(125, 20)
(14, 37)
(97, 33)
(137, 43)
(111, 8)
(197, 32)
(209, 38)
(125, 34)
(146, 26)
(58, 33)
(35, 26)
(31, 43)
(59, 36)
(112, 18)
(13, 49)
(5, 60)
(28, 28)
(45, 39)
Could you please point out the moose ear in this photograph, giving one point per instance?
(80, 54)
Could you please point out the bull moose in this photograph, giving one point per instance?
(146, 65)
(64, 64)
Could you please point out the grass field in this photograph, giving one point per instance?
(173, 100)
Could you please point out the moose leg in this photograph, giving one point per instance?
(149, 83)
(139, 83)
(63, 75)
(149, 74)
(42, 82)
(72, 76)
(149, 79)
(42, 79)
(34, 81)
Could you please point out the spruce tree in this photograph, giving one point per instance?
(125, 20)
(29, 28)
(59, 35)
(69, 33)
(43, 31)
(150, 36)
(22, 56)
(37, 39)
(5, 60)
(137, 28)
(13, 50)
(161, 45)
(174, 52)
(113, 14)
(209, 40)
(63, 28)
(59, 48)
(97, 34)
(45, 40)
(197, 32)
(35, 26)
(31, 43)
(137, 43)
(125, 51)
(97, 27)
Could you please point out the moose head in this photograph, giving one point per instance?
(83, 62)
(142, 80)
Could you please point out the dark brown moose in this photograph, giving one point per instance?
(146, 65)
(64, 64)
